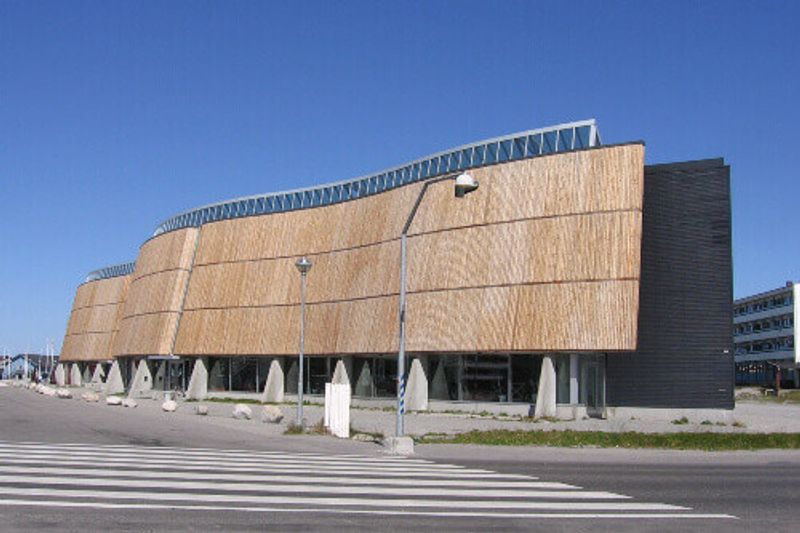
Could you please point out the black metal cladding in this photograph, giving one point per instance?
(684, 357)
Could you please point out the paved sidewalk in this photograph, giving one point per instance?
(749, 417)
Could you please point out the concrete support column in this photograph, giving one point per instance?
(97, 376)
(365, 386)
(438, 389)
(142, 381)
(546, 395)
(87, 375)
(114, 383)
(340, 375)
(416, 388)
(61, 375)
(198, 382)
(348, 365)
(291, 378)
(75, 375)
(273, 388)
(574, 372)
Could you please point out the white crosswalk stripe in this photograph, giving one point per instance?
(139, 477)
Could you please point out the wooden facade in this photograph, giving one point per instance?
(544, 256)
(94, 320)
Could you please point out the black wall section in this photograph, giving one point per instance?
(685, 350)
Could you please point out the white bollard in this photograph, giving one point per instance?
(337, 409)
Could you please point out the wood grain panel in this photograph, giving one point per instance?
(145, 335)
(94, 319)
(166, 252)
(150, 314)
(543, 257)
(577, 316)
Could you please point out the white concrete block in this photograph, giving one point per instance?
(49, 391)
(416, 388)
(271, 414)
(170, 406)
(337, 409)
(273, 388)
(399, 445)
(113, 400)
(114, 384)
(201, 410)
(242, 412)
(198, 383)
(129, 402)
(546, 395)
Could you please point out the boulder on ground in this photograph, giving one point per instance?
(271, 414)
(113, 400)
(90, 397)
(49, 391)
(201, 409)
(242, 412)
(129, 402)
(170, 406)
(63, 393)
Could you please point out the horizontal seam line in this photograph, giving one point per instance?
(394, 294)
(423, 233)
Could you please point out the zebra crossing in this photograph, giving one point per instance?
(72, 475)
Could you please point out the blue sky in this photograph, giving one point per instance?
(116, 115)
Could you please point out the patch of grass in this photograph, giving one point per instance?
(232, 400)
(680, 421)
(294, 429)
(738, 424)
(676, 441)
(706, 423)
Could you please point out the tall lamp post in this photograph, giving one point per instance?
(464, 184)
(303, 265)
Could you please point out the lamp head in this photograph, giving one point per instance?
(303, 265)
(465, 184)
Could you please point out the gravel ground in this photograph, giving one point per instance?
(750, 417)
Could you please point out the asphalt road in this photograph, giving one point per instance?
(70, 466)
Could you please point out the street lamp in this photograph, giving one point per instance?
(303, 265)
(464, 184)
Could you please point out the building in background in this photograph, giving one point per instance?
(765, 338)
(570, 252)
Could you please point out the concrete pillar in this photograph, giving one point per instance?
(273, 389)
(439, 383)
(416, 388)
(340, 375)
(87, 376)
(365, 386)
(216, 380)
(142, 381)
(291, 378)
(97, 376)
(348, 365)
(75, 375)
(546, 396)
(114, 383)
(574, 372)
(61, 377)
(198, 382)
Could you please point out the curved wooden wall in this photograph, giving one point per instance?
(151, 310)
(543, 257)
(94, 320)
